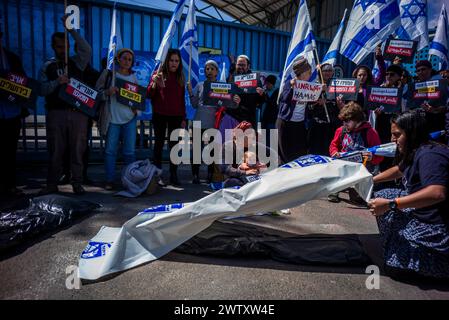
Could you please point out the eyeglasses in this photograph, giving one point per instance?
(390, 74)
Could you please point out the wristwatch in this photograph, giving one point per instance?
(393, 205)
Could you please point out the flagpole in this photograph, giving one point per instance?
(115, 46)
(66, 56)
(322, 81)
(190, 61)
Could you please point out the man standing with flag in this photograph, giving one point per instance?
(66, 125)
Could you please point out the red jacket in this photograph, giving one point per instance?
(353, 141)
(170, 100)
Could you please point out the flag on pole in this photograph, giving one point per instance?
(223, 73)
(115, 40)
(414, 22)
(302, 44)
(439, 45)
(331, 55)
(189, 47)
(370, 22)
(169, 34)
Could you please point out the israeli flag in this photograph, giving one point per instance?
(115, 41)
(169, 34)
(370, 22)
(302, 44)
(223, 73)
(414, 22)
(439, 45)
(331, 55)
(189, 47)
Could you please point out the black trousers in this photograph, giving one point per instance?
(160, 124)
(66, 132)
(196, 167)
(292, 139)
(319, 138)
(9, 133)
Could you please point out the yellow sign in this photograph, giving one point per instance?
(130, 95)
(15, 88)
(220, 90)
(427, 90)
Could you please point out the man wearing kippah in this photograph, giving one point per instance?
(246, 111)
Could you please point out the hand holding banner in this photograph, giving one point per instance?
(433, 92)
(80, 96)
(18, 89)
(219, 94)
(130, 94)
(347, 88)
(388, 98)
(248, 82)
(304, 91)
(403, 49)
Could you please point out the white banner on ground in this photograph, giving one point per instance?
(158, 230)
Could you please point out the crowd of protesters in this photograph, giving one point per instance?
(325, 127)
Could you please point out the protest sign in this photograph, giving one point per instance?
(130, 94)
(80, 96)
(248, 82)
(306, 91)
(18, 89)
(433, 92)
(219, 94)
(387, 98)
(346, 88)
(404, 49)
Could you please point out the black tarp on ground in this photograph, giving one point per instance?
(233, 239)
(42, 214)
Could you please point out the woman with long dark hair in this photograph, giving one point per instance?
(414, 222)
(167, 94)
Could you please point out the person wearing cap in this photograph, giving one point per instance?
(66, 125)
(167, 93)
(320, 128)
(117, 120)
(249, 102)
(435, 115)
(205, 114)
(10, 124)
(291, 126)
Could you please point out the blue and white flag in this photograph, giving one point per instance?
(115, 41)
(414, 22)
(370, 22)
(302, 44)
(439, 45)
(189, 47)
(331, 55)
(223, 73)
(169, 34)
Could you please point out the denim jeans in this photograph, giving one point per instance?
(127, 133)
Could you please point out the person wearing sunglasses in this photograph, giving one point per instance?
(435, 115)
